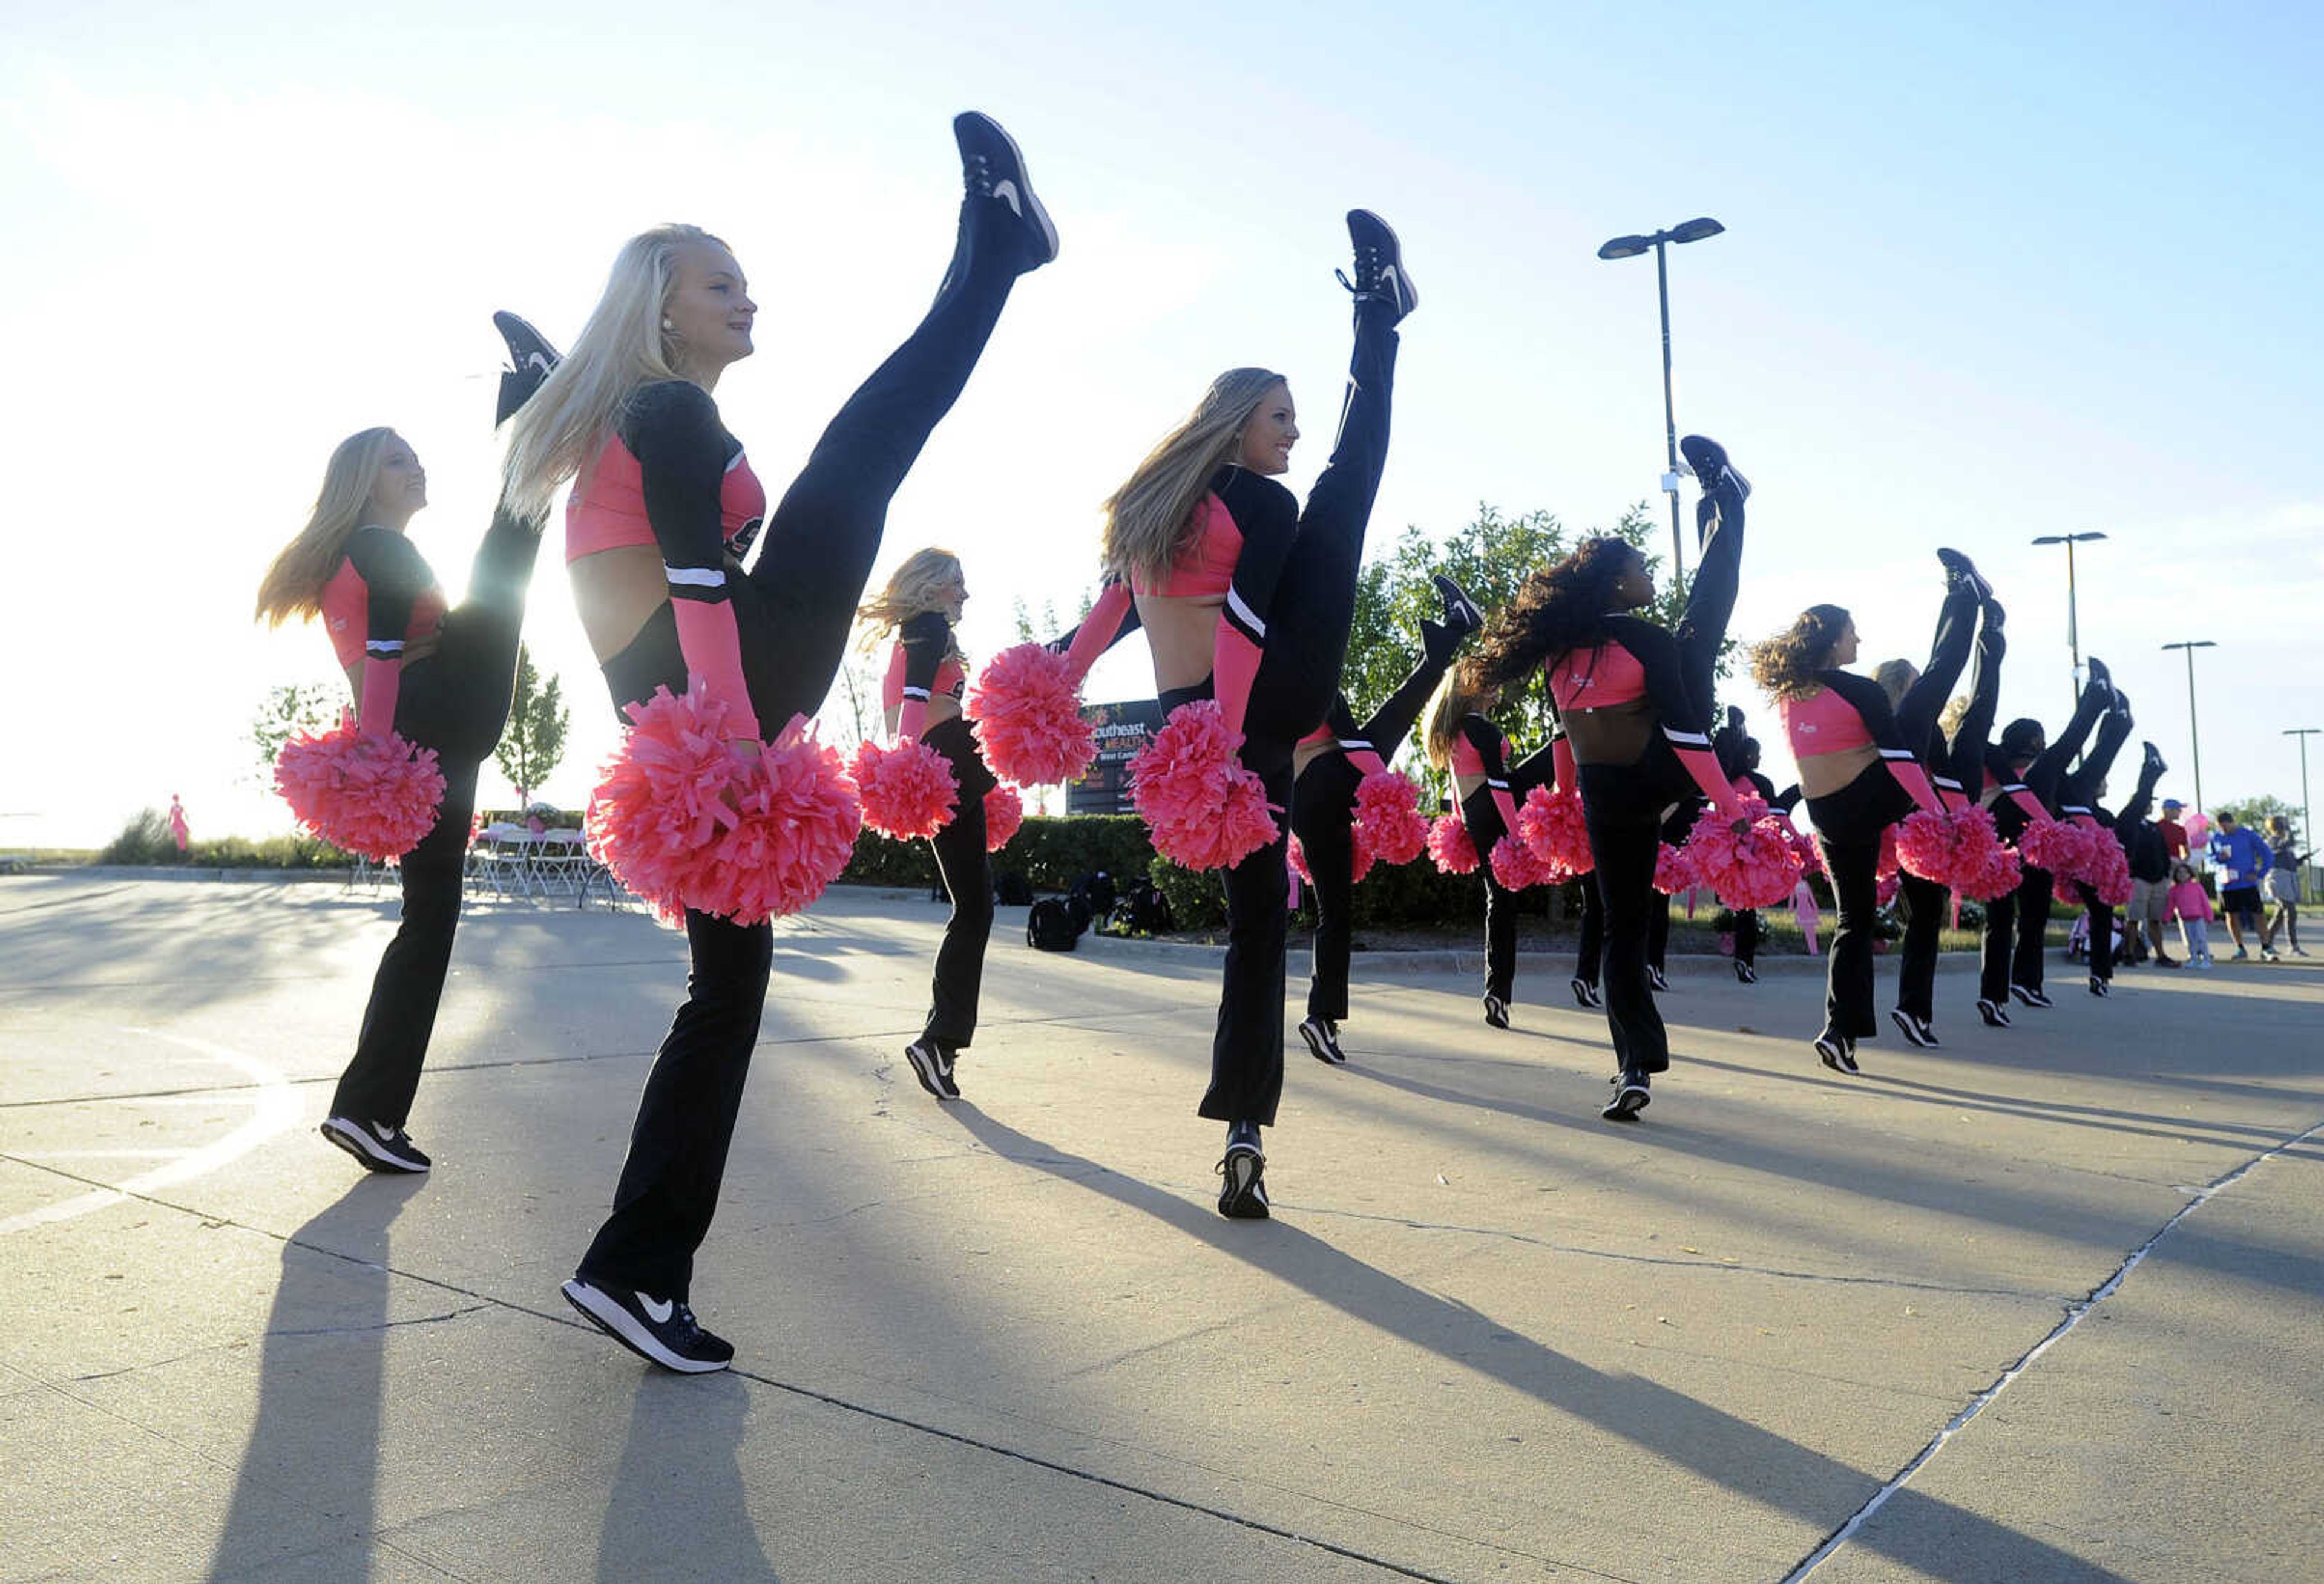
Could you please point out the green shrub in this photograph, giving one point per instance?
(146, 839)
(1198, 899)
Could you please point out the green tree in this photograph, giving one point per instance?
(2256, 812)
(289, 709)
(530, 749)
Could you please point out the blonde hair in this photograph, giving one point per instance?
(1956, 711)
(1150, 520)
(1785, 665)
(914, 588)
(293, 583)
(1896, 678)
(559, 431)
(1461, 694)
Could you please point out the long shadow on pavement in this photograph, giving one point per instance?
(1753, 1462)
(314, 1443)
(678, 1507)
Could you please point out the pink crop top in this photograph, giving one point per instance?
(1822, 723)
(607, 508)
(950, 682)
(1597, 678)
(1207, 566)
(346, 615)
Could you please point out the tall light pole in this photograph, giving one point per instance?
(2194, 731)
(2073, 629)
(2307, 813)
(1630, 247)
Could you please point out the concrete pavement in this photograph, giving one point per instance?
(1486, 1336)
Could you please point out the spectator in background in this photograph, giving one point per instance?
(179, 833)
(2242, 859)
(2191, 904)
(2147, 847)
(2174, 834)
(2283, 886)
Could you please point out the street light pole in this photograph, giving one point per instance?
(2073, 627)
(1630, 247)
(2194, 729)
(2307, 813)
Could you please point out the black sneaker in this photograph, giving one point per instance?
(1915, 1032)
(1745, 973)
(1460, 612)
(1837, 1052)
(933, 1067)
(2154, 768)
(379, 1149)
(1497, 1011)
(1708, 459)
(1656, 977)
(994, 168)
(1244, 1197)
(660, 1330)
(1994, 1015)
(2031, 995)
(1961, 573)
(1587, 994)
(532, 358)
(1322, 1037)
(1380, 274)
(2099, 987)
(1630, 1097)
(2100, 677)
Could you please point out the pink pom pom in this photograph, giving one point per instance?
(1885, 892)
(1551, 824)
(1298, 861)
(1027, 706)
(799, 820)
(685, 822)
(908, 791)
(1004, 810)
(1803, 847)
(2103, 868)
(1757, 867)
(373, 796)
(1515, 866)
(1997, 875)
(1449, 846)
(1924, 845)
(1672, 872)
(2053, 846)
(1206, 810)
(1389, 826)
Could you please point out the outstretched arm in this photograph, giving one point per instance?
(1868, 700)
(1685, 723)
(1111, 619)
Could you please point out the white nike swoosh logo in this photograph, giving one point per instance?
(1007, 192)
(659, 1313)
(387, 1135)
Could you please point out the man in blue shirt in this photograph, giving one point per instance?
(2242, 859)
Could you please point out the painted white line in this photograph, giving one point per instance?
(274, 1107)
(2076, 1313)
(100, 1154)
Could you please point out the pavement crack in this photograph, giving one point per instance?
(376, 1326)
(2077, 1311)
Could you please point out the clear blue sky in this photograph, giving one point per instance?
(1990, 272)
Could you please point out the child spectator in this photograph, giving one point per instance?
(2191, 907)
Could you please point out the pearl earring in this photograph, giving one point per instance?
(666, 324)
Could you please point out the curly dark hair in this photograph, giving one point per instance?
(1559, 607)
(1785, 665)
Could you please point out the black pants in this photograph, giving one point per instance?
(1675, 826)
(1593, 932)
(2014, 927)
(456, 701)
(1623, 805)
(1746, 937)
(2101, 932)
(967, 872)
(1482, 816)
(1923, 903)
(793, 610)
(1849, 825)
(1306, 644)
(1322, 816)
